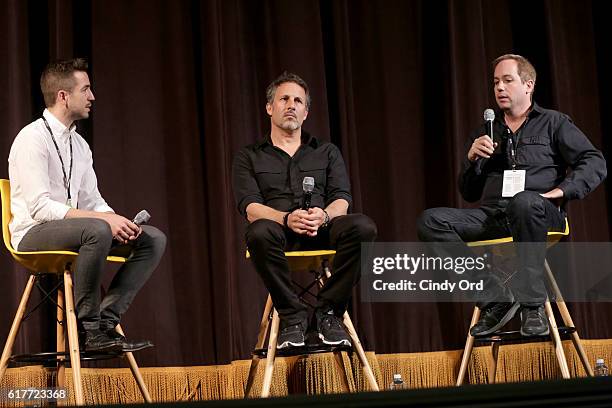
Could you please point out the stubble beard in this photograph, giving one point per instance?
(290, 125)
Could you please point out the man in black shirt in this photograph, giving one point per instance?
(267, 179)
(521, 177)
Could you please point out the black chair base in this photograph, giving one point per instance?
(515, 335)
(51, 358)
(303, 350)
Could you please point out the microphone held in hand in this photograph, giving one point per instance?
(308, 186)
(489, 117)
(142, 217)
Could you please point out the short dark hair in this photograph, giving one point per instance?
(284, 78)
(59, 75)
(524, 68)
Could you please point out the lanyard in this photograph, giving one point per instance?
(66, 179)
(511, 146)
(512, 152)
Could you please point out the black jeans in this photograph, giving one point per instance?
(527, 217)
(267, 241)
(93, 240)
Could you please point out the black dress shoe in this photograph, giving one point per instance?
(534, 322)
(128, 346)
(493, 318)
(97, 340)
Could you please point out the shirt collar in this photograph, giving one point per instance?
(306, 138)
(58, 128)
(534, 110)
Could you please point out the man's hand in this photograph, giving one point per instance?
(482, 147)
(306, 222)
(555, 195)
(123, 229)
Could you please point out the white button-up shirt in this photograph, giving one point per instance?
(38, 192)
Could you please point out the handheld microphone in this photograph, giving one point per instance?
(142, 217)
(308, 186)
(489, 117)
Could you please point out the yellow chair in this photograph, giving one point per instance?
(268, 328)
(58, 263)
(553, 238)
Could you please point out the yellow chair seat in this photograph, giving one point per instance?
(306, 260)
(57, 262)
(36, 261)
(302, 261)
(553, 237)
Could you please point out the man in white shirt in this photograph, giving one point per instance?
(56, 205)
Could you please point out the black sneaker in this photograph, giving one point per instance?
(494, 318)
(331, 330)
(291, 336)
(534, 321)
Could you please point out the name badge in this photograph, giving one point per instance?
(514, 182)
(69, 203)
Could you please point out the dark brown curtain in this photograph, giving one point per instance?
(397, 85)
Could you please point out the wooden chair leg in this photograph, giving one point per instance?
(261, 339)
(493, 362)
(338, 358)
(272, 342)
(61, 339)
(136, 371)
(10, 341)
(367, 369)
(73, 339)
(567, 320)
(557, 341)
(350, 329)
(467, 351)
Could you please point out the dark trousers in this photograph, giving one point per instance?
(267, 241)
(93, 240)
(527, 217)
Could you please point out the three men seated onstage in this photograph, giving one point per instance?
(56, 205)
(534, 162)
(268, 179)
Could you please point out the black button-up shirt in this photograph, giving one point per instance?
(262, 173)
(545, 146)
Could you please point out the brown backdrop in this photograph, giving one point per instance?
(396, 84)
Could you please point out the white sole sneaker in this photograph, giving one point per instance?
(343, 342)
(289, 344)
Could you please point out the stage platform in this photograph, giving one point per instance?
(531, 369)
(580, 392)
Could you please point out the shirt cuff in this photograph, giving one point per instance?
(244, 203)
(54, 211)
(568, 192)
(343, 196)
(103, 208)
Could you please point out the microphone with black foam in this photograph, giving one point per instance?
(308, 186)
(489, 117)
